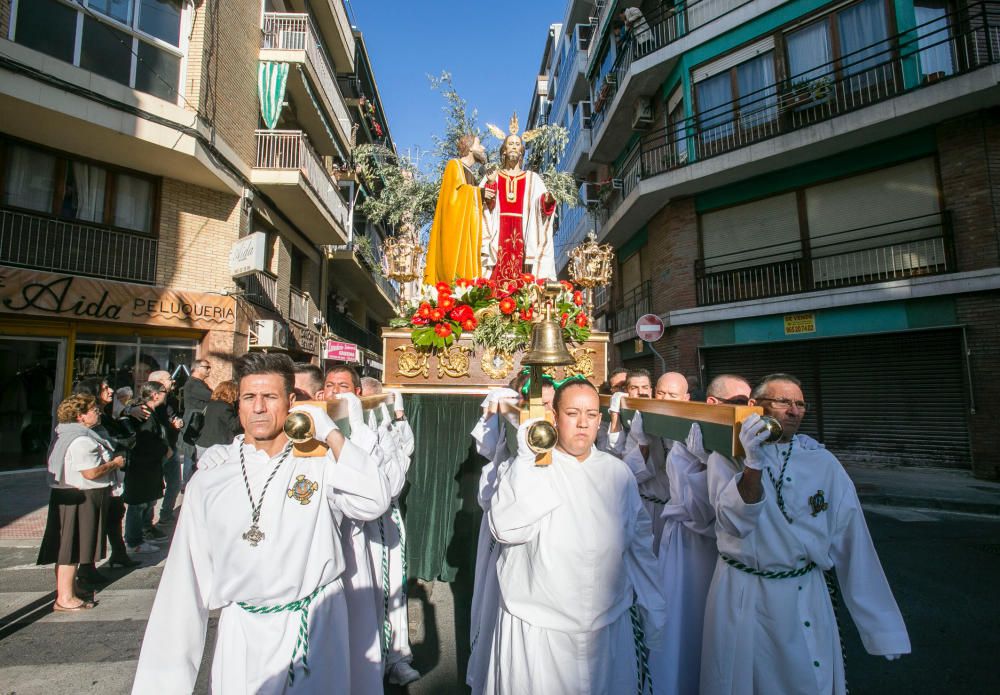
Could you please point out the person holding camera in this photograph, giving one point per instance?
(144, 476)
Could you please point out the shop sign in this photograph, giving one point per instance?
(248, 255)
(796, 324)
(37, 293)
(342, 352)
(306, 339)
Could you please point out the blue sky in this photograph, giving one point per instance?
(492, 51)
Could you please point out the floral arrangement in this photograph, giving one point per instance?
(498, 320)
(368, 109)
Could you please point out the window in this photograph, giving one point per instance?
(137, 43)
(73, 189)
(863, 35)
(936, 59)
(736, 95)
(295, 273)
(676, 123)
(810, 53)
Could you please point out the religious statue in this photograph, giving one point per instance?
(517, 234)
(456, 235)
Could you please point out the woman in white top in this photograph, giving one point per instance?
(80, 468)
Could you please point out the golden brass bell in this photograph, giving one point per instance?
(548, 349)
(299, 427)
(541, 437)
(773, 428)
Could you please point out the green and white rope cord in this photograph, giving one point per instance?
(768, 574)
(397, 518)
(643, 677)
(301, 606)
(386, 624)
(831, 586)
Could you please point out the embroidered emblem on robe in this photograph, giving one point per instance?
(818, 503)
(302, 490)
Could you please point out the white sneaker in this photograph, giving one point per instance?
(403, 674)
(143, 548)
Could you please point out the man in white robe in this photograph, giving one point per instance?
(578, 585)
(387, 536)
(687, 551)
(789, 515)
(258, 538)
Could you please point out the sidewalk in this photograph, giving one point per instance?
(927, 488)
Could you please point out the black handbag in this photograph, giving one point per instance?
(194, 427)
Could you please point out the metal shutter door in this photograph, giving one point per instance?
(889, 399)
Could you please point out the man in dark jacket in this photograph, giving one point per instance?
(169, 415)
(144, 475)
(197, 394)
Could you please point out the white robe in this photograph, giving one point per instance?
(650, 472)
(687, 556)
(780, 635)
(539, 251)
(211, 566)
(577, 554)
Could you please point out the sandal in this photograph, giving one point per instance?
(85, 605)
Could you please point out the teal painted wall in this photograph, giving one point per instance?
(841, 321)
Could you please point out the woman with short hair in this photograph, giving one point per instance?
(221, 422)
(80, 467)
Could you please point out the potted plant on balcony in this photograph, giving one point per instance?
(808, 92)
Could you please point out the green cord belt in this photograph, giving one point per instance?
(301, 606)
(644, 680)
(768, 574)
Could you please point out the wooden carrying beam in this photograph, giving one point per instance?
(337, 410)
(720, 424)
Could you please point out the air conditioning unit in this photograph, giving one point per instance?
(542, 86)
(269, 334)
(588, 193)
(642, 115)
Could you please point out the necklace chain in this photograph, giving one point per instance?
(254, 535)
(780, 482)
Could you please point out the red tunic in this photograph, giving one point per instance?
(510, 242)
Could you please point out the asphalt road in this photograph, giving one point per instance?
(942, 566)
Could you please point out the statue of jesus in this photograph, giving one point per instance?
(517, 232)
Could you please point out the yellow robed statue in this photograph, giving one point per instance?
(456, 235)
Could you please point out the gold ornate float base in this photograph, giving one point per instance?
(463, 367)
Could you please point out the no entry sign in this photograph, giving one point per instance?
(649, 328)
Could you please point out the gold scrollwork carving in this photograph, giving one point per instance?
(454, 361)
(412, 363)
(584, 365)
(496, 365)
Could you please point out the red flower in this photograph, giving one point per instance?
(443, 288)
(567, 285)
(424, 310)
(578, 298)
(443, 329)
(446, 302)
(507, 305)
(527, 278)
(469, 324)
(436, 315)
(482, 282)
(419, 320)
(461, 313)
(564, 319)
(463, 282)
(581, 320)
(526, 314)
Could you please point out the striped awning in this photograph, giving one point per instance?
(271, 80)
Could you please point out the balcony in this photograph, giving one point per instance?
(351, 332)
(635, 303)
(886, 86)
(260, 289)
(570, 70)
(330, 18)
(289, 171)
(292, 38)
(355, 271)
(300, 307)
(906, 248)
(650, 54)
(30, 240)
(574, 157)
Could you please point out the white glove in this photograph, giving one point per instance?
(355, 412)
(495, 395)
(753, 434)
(892, 657)
(397, 401)
(695, 444)
(616, 402)
(524, 452)
(322, 424)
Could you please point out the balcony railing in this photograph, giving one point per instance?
(867, 76)
(635, 303)
(299, 302)
(260, 289)
(38, 241)
(578, 134)
(295, 32)
(660, 28)
(290, 150)
(353, 333)
(374, 265)
(894, 250)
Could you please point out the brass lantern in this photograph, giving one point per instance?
(590, 266)
(402, 256)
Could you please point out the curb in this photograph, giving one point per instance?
(990, 508)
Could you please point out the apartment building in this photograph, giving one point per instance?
(810, 187)
(175, 182)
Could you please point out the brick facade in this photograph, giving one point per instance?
(980, 314)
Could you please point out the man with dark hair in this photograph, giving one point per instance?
(616, 379)
(341, 379)
(613, 437)
(577, 523)
(197, 393)
(309, 382)
(259, 539)
(785, 517)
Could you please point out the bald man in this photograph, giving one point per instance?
(646, 455)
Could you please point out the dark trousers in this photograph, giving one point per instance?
(116, 515)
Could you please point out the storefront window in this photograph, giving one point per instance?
(29, 388)
(128, 361)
